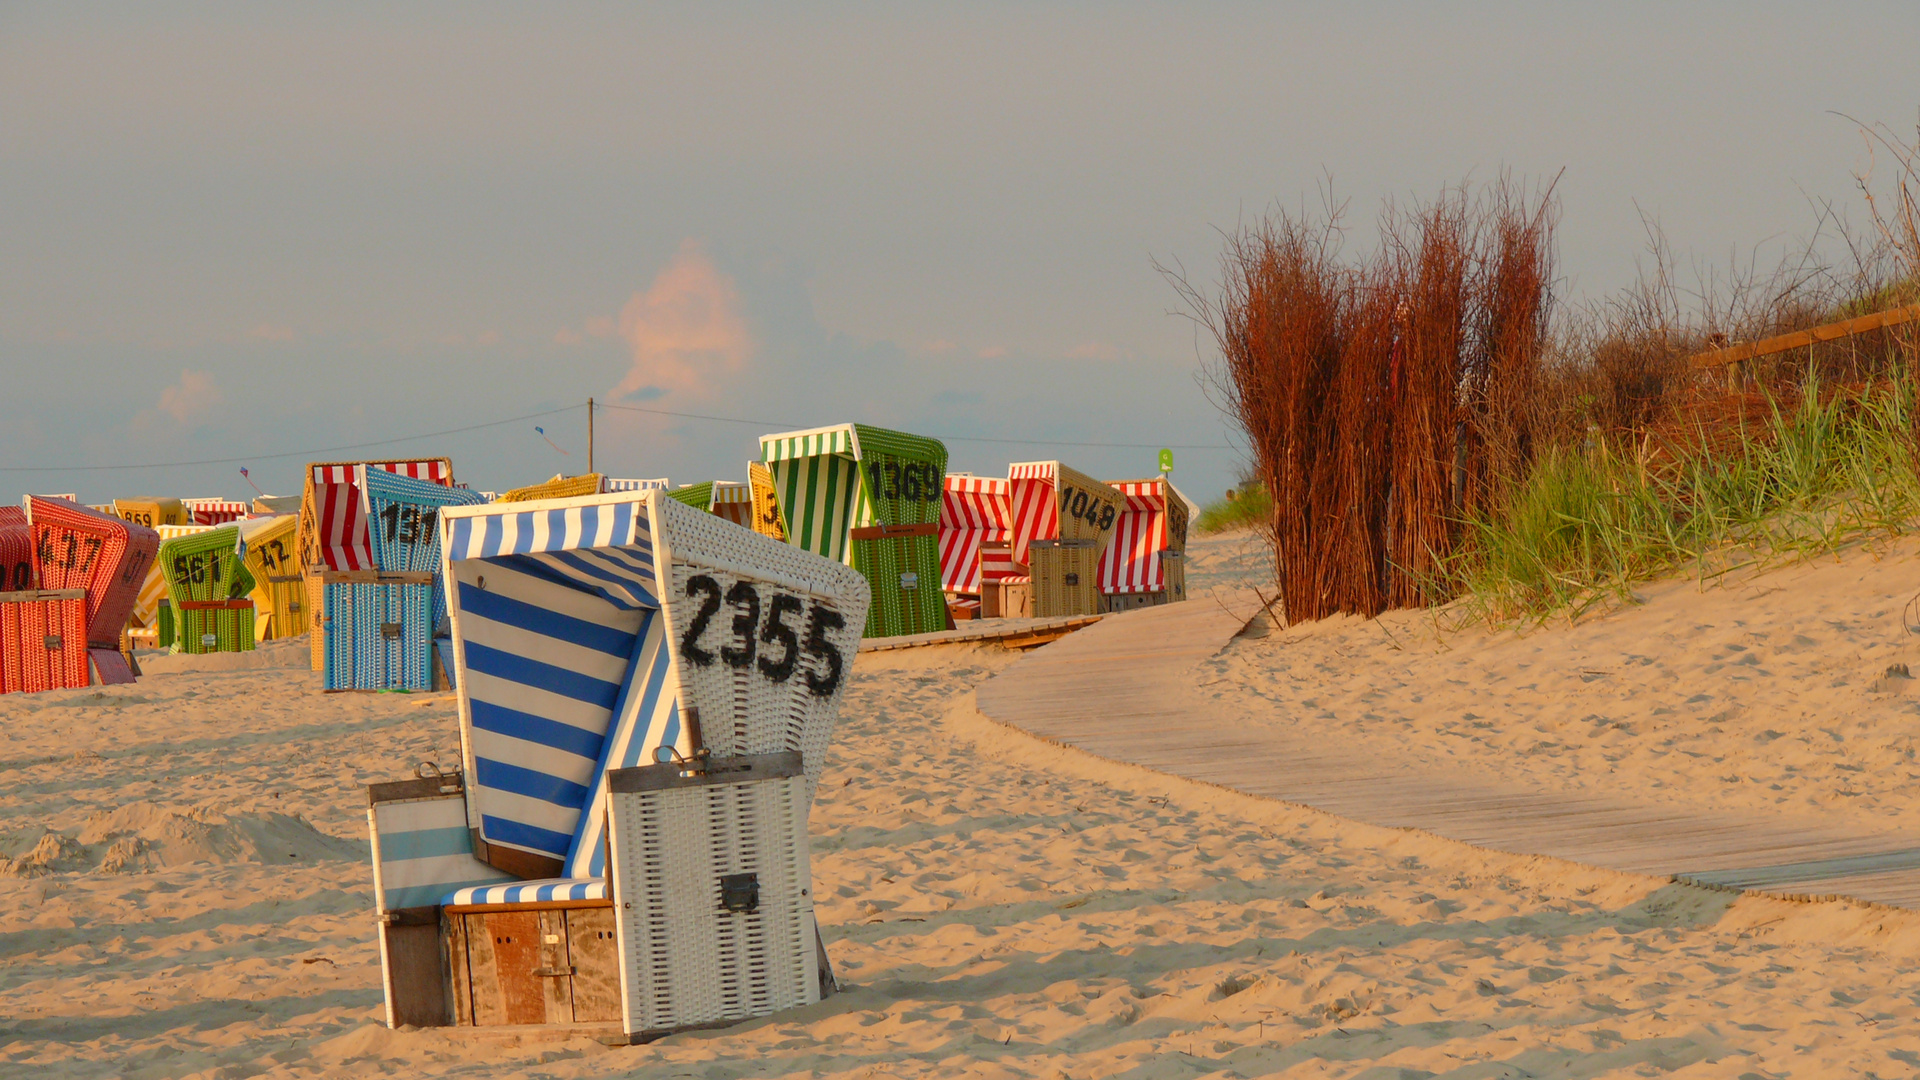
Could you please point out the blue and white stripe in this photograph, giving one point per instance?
(510, 529)
(422, 849)
(647, 717)
(530, 892)
(555, 603)
(542, 667)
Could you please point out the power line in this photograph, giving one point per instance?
(287, 454)
(780, 424)
(775, 425)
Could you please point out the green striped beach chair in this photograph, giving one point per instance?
(870, 498)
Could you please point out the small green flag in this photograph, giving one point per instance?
(1166, 461)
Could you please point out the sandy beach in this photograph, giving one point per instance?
(187, 892)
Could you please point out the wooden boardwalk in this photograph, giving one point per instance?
(1012, 633)
(1124, 690)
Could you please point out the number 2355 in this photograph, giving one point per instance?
(786, 647)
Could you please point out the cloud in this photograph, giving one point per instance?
(686, 331)
(194, 397)
(271, 332)
(566, 335)
(992, 352)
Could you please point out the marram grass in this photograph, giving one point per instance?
(1586, 525)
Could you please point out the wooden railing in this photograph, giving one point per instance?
(1800, 339)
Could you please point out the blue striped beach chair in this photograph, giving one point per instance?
(595, 638)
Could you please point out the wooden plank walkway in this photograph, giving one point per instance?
(1012, 633)
(1125, 690)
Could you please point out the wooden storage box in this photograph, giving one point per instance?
(1007, 598)
(533, 964)
(1063, 577)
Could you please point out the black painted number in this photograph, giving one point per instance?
(739, 652)
(915, 481)
(743, 594)
(70, 552)
(777, 632)
(690, 641)
(408, 524)
(272, 554)
(822, 620)
(1076, 503)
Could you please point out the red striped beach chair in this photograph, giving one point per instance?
(1062, 521)
(214, 511)
(1145, 565)
(974, 511)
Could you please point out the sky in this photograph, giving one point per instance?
(255, 234)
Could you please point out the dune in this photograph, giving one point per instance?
(186, 891)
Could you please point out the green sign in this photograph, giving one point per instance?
(1166, 461)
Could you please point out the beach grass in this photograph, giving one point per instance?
(1250, 508)
(1588, 523)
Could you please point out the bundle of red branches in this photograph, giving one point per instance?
(1384, 398)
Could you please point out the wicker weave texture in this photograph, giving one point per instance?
(280, 589)
(205, 565)
(563, 487)
(43, 641)
(77, 548)
(684, 958)
(16, 551)
(228, 628)
(380, 636)
(761, 684)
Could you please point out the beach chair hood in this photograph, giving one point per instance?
(582, 628)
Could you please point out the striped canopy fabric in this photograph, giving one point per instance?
(546, 890)
(1153, 518)
(613, 484)
(1132, 562)
(338, 516)
(816, 475)
(974, 510)
(1035, 510)
(559, 648)
(214, 511)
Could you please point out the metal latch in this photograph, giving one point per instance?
(54, 643)
(553, 973)
(740, 893)
(209, 639)
(909, 580)
(390, 630)
(1073, 579)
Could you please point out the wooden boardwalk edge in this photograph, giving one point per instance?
(1123, 691)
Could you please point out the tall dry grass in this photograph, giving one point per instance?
(1382, 395)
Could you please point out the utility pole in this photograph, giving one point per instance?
(590, 435)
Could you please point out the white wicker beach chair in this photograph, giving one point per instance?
(595, 638)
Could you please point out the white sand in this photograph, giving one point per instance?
(997, 907)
